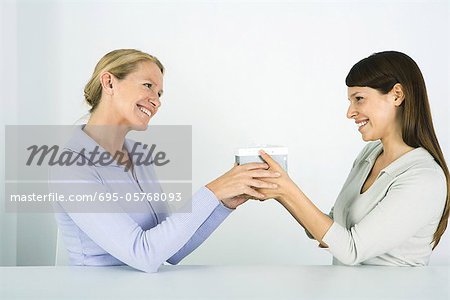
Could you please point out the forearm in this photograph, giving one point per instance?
(204, 231)
(307, 214)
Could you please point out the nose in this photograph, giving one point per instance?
(154, 101)
(351, 111)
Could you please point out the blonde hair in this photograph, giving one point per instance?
(120, 63)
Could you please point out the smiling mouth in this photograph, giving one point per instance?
(144, 110)
(362, 124)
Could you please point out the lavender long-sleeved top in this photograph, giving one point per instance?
(143, 240)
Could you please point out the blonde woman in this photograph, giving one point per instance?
(394, 205)
(124, 94)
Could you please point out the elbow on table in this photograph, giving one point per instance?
(350, 251)
(351, 255)
(351, 259)
(351, 262)
(143, 255)
(148, 268)
(148, 263)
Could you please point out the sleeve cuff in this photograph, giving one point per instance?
(222, 208)
(332, 237)
(205, 201)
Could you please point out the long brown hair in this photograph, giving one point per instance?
(381, 71)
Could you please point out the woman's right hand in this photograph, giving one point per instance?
(241, 180)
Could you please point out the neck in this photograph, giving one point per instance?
(110, 136)
(393, 148)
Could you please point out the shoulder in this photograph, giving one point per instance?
(79, 173)
(421, 171)
(421, 179)
(418, 163)
(76, 166)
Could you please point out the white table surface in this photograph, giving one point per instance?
(226, 282)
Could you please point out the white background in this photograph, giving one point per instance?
(241, 73)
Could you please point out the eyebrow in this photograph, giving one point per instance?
(353, 94)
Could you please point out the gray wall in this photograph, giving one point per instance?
(30, 78)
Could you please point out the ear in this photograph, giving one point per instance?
(398, 94)
(107, 80)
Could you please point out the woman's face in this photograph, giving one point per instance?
(135, 99)
(375, 114)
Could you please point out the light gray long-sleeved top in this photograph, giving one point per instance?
(393, 222)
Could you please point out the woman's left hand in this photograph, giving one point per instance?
(285, 184)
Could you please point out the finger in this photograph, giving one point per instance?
(270, 181)
(251, 192)
(262, 184)
(253, 166)
(242, 199)
(268, 193)
(263, 191)
(263, 174)
(247, 197)
(268, 159)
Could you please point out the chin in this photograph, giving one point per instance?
(368, 139)
(139, 126)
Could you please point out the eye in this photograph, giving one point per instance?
(358, 98)
(148, 85)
